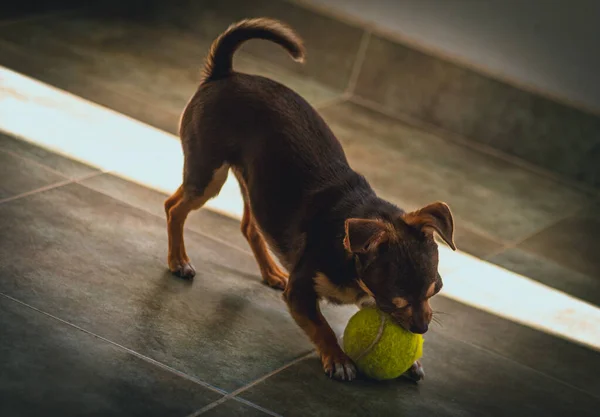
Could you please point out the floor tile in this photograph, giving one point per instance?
(573, 242)
(33, 9)
(18, 175)
(50, 368)
(234, 408)
(203, 221)
(412, 168)
(102, 265)
(460, 381)
(592, 167)
(146, 72)
(45, 65)
(568, 362)
(549, 272)
(65, 166)
(58, 54)
(331, 45)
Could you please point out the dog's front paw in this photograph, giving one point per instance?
(416, 372)
(275, 278)
(338, 366)
(182, 269)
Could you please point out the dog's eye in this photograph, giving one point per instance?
(400, 302)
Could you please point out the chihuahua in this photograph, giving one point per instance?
(302, 201)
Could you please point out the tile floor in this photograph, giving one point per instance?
(88, 307)
(93, 324)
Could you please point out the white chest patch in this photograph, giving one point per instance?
(336, 294)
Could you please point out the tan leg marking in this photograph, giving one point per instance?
(304, 307)
(335, 362)
(177, 207)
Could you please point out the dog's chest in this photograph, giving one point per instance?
(336, 294)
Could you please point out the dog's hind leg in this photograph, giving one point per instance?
(272, 275)
(191, 195)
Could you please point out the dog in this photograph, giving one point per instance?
(302, 201)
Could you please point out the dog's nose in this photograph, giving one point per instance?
(419, 328)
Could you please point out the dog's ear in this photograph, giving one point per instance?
(435, 217)
(365, 235)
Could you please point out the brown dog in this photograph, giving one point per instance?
(338, 240)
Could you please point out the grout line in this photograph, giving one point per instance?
(490, 256)
(361, 55)
(256, 406)
(250, 385)
(37, 190)
(473, 145)
(330, 103)
(224, 399)
(209, 406)
(270, 374)
(46, 167)
(121, 347)
(50, 187)
(522, 239)
(67, 181)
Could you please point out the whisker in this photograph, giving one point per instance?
(440, 312)
(437, 321)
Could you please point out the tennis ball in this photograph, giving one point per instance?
(380, 348)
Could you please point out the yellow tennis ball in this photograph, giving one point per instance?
(380, 348)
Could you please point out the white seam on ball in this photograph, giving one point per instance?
(377, 338)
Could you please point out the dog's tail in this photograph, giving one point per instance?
(219, 60)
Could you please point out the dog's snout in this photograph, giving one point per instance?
(419, 328)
